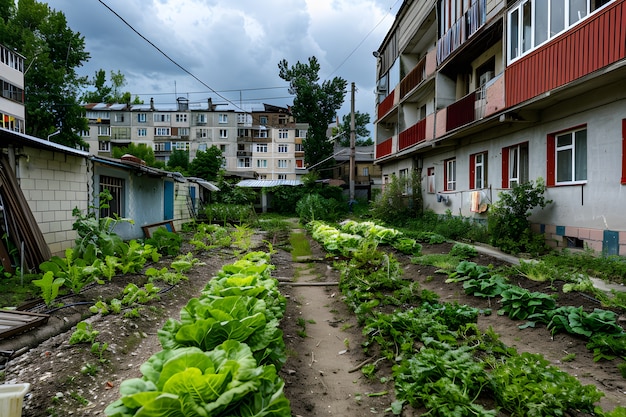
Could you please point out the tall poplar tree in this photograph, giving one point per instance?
(315, 104)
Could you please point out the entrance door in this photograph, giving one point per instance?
(168, 201)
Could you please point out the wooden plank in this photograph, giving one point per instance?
(14, 322)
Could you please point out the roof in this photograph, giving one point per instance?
(154, 172)
(209, 186)
(267, 183)
(9, 136)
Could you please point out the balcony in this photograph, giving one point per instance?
(595, 43)
(413, 135)
(413, 79)
(261, 139)
(386, 105)
(462, 30)
(461, 112)
(384, 148)
(244, 154)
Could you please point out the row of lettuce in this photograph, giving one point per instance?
(222, 356)
(441, 361)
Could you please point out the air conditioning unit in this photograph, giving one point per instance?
(486, 77)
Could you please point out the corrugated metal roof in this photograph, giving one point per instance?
(9, 135)
(209, 186)
(267, 183)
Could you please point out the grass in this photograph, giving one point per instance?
(299, 245)
(13, 293)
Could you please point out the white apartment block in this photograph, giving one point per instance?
(12, 111)
(260, 140)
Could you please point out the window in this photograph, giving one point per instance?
(263, 120)
(201, 119)
(181, 117)
(120, 133)
(515, 165)
(161, 117)
(283, 133)
(104, 146)
(142, 132)
(141, 118)
(263, 176)
(282, 176)
(161, 146)
(282, 163)
(478, 171)
(223, 118)
(299, 147)
(119, 117)
(202, 147)
(301, 133)
(430, 180)
(224, 133)
(403, 175)
(243, 163)
(244, 118)
(261, 147)
(104, 131)
(84, 133)
(366, 172)
(202, 133)
(449, 180)
(567, 157)
(181, 146)
(283, 148)
(534, 22)
(262, 134)
(223, 148)
(183, 131)
(162, 131)
(115, 186)
(261, 163)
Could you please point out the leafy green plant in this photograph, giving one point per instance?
(527, 385)
(520, 304)
(242, 236)
(574, 320)
(463, 251)
(165, 242)
(315, 207)
(133, 294)
(98, 349)
(488, 287)
(508, 222)
(49, 287)
(224, 381)
(84, 333)
(76, 272)
(407, 245)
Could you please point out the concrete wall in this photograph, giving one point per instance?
(54, 183)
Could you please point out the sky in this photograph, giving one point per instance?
(229, 50)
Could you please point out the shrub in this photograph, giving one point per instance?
(315, 207)
(165, 242)
(508, 223)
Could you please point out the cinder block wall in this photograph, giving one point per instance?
(54, 183)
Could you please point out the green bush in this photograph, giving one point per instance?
(509, 227)
(315, 207)
(165, 242)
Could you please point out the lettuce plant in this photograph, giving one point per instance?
(188, 381)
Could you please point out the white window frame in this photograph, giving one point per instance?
(224, 133)
(104, 131)
(261, 148)
(162, 131)
(141, 118)
(571, 157)
(283, 163)
(222, 118)
(181, 146)
(450, 174)
(283, 134)
(518, 164)
(201, 118)
(104, 146)
(283, 148)
(142, 132)
(243, 162)
(261, 163)
(161, 117)
(480, 170)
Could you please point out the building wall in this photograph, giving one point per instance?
(54, 183)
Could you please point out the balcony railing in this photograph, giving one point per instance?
(412, 135)
(462, 29)
(386, 105)
(244, 153)
(461, 112)
(384, 148)
(414, 78)
(597, 42)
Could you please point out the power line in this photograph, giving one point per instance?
(167, 56)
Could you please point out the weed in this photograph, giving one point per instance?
(346, 327)
(299, 245)
(89, 369)
(569, 357)
(79, 398)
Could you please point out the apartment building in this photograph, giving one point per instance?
(479, 95)
(261, 139)
(12, 111)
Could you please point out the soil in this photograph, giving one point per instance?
(323, 339)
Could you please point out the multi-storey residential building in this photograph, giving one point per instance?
(12, 111)
(262, 139)
(479, 95)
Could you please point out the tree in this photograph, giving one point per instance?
(315, 104)
(361, 120)
(207, 164)
(104, 93)
(179, 161)
(141, 151)
(53, 52)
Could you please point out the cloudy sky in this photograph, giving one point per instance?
(231, 47)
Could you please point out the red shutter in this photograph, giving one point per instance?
(623, 151)
(472, 172)
(505, 167)
(551, 162)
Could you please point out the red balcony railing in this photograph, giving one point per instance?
(386, 105)
(593, 44)
(461, 112)
(414, 78)
(413, 135)
(383, 148)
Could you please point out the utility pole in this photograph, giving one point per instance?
(352, 141)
